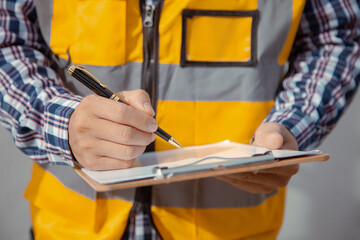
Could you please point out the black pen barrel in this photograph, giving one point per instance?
(164, 135)
(89, 82)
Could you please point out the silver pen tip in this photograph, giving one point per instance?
(172, 141)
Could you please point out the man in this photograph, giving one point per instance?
(211, 70)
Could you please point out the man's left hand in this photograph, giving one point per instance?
(271, 136)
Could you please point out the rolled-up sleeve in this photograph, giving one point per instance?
(324, 71)
(35, 106)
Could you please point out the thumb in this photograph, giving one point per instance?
(138, 99)
(274, 136)
(268, 139)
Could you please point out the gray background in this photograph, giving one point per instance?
(323, 199)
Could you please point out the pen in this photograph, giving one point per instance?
(90, 81)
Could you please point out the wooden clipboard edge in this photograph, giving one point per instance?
(95, 185)
(209, 173)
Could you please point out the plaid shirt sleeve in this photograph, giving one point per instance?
(35, 106)
(324, 71)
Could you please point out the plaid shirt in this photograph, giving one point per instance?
(324, 72)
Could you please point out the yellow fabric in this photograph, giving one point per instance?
(260, 222)
(196, 123)
(298, 7)
(59, 213)
(62, 26)
(205, 33)
(97, 32)
(103, 33)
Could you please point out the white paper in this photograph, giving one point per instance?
(143, 167)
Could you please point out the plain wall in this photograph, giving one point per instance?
(15, 172)
(323, 201)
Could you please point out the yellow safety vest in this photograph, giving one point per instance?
(212, 69)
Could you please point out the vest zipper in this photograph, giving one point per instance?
(150, 13)
(150, 21)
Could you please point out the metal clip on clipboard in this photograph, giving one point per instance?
(165, 172)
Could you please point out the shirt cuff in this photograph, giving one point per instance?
(56, 121)
(300, 125)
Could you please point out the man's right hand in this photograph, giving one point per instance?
(104, 134)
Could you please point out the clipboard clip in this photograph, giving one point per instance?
(158, 171)
(262, 154)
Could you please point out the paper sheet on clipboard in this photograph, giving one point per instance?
(195, 158)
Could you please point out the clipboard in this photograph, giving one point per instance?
(194, 163)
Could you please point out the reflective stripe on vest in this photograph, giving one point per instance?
(232, 55)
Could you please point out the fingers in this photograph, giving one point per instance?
(270, 136)
(104, 155)
(108, 163)
(138, 99)
(105, 134)
(121, 134)
(118, 151)
(265, 181)
(283, 171)
(261, 183)
(248, 186)
(120, 113)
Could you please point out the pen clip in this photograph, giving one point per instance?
(81, 68)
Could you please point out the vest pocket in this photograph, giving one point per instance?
(218, 38)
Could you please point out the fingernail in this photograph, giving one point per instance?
(148, 108)
(153, 125)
